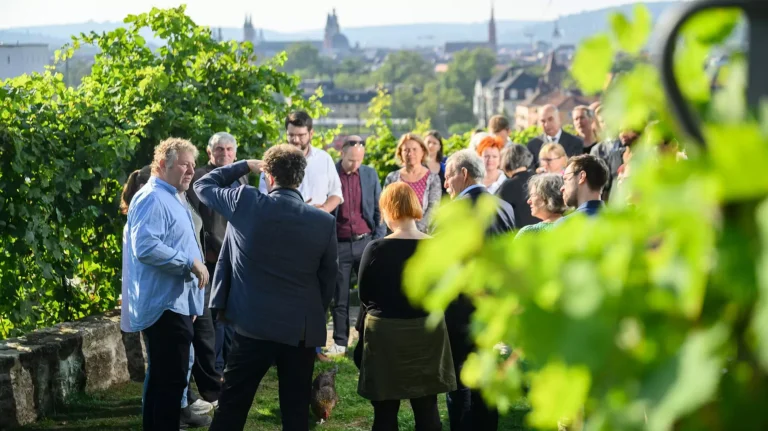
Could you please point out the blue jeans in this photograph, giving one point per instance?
(184, 402)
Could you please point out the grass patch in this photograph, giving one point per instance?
(119, 408)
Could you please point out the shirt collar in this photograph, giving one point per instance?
(163, 185)
(341, 171)
(556, 138)
(470, 188)
(590, 204)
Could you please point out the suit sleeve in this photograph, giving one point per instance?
(214, 192)
(379, 229)
(534, 145)
(329, 267)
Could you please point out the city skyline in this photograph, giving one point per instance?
(306, 16)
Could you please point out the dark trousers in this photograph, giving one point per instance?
(204, 371)
(223, 332)
(424, 412)
(350, 253)
(467, 410)
(249, 361)
(168, 342)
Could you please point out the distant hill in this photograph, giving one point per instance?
(574, 27)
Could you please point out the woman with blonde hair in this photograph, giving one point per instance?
(489, 149)
(399, 358)
(552, 159)
(412, 153)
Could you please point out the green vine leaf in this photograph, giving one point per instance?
(592, 63)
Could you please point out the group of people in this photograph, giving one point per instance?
(225, 280)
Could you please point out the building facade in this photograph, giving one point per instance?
(502, 93)
(20, 59)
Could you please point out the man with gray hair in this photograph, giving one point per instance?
(464, 172)
(550, 122)
(212, 338)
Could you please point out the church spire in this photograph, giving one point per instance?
(492, 30)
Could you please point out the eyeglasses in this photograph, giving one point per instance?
(353, 143)
(572, 174)
(551, 160)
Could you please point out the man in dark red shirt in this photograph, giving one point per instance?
(358, 221)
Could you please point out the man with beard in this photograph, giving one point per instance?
(583, 182)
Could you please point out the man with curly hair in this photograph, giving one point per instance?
(281, 278)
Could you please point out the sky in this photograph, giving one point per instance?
(295, 15)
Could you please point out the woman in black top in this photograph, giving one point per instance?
(399, 357)
(515, 162)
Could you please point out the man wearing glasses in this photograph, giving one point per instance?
(358, 221)
(583, 183)
(321, 186)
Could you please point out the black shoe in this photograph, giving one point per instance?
(191, 420)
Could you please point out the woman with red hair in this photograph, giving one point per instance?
(490, 150)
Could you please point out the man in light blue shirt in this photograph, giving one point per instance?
(163, 279)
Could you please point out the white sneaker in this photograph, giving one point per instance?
(201, 407)
(336, 350)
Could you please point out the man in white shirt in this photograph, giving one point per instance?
(321, 186)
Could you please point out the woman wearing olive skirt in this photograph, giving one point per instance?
(399, 357)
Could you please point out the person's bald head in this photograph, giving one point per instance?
(352, 153)
(549, 119)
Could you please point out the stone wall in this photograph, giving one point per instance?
(46, 367)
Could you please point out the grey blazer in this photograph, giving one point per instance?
(431, 197)
(276, 272)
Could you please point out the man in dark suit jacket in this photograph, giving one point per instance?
(549, 119)
(283, 273)
(467, 411)
(358, 222)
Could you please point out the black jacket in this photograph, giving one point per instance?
(573, 146)
(214, 224)
(514, 191)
